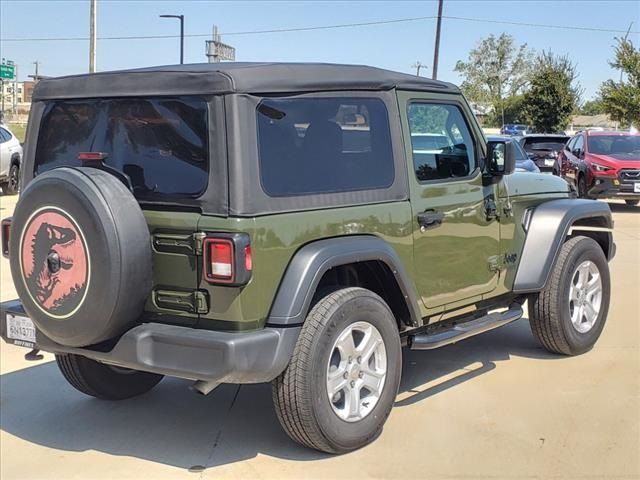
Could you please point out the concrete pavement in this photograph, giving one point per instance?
(493, 406)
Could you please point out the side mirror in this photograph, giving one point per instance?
(501, 158)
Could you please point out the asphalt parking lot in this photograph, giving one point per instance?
(494, 406)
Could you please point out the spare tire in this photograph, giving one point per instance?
(80, 255)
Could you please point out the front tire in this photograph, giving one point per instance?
(104, 381)
(340, 385)
(568, 316)
(582, 187)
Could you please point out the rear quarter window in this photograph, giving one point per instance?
(159, 143)
(323, 145)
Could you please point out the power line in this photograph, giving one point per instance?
(251, 32)
(537, 25)
(326, 27)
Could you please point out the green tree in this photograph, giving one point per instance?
(553, 95)
(427, 118)
(497, 69)
(513, 109)
(621, 100)
(592, 107)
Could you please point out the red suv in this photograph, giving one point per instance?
(603, 165)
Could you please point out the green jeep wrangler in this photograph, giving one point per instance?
(289, 223)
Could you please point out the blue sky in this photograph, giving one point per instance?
(396, 46)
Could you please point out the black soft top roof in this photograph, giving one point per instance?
(239, 77)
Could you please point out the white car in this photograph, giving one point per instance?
(10, 158)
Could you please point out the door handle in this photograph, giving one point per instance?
(430, 219)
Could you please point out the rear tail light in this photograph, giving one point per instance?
(248, 258)
(227, 259)
(5, 228)
(92, 156)
(220, 260)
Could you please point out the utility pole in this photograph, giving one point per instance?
(35, 78)
(625, 39)
(92, 36)
(15, 89)
(617, 125)
(418, 65)
(436, 52)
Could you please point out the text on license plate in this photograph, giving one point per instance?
(20, 328)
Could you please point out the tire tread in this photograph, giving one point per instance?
(290, 395)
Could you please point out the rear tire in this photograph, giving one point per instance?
(13, 182)
(632, 203)
(331, 356)
(104, 381)
(568, 316)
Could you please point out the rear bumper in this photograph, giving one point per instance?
(195, 354)
(605, 188)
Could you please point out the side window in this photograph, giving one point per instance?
(4, 135)
(323, 145)
(570, 144)
(441, 144)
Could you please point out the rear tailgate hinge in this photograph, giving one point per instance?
(192, 302)
(198, 241)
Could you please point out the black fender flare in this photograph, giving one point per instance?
(549, 225)
(310, 263)
(15, 159)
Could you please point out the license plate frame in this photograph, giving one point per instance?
(21, 330)
(549, 162)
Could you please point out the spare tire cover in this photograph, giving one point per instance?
(80, 255)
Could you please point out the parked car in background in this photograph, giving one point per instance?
(544, 149)
(513, 129)
(523, 162)
(603, 164)
(10, 157)
(429, 142)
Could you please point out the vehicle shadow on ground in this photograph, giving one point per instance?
(172, 425)
(624, 208)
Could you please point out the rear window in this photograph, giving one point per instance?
(159, 143)
(550, 144)
(323, 145)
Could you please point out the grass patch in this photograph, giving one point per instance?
(19, 130)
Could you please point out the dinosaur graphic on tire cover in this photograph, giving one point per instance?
(54, 262)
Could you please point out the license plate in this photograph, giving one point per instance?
(636, 187)
(21, 330)
(549, 162)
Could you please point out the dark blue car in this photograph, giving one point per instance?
(513, 129)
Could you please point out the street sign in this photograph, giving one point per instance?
(7, 71)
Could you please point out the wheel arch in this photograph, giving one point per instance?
(550, 225)
(15, 159)
(315, 266)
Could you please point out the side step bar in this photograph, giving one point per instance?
(429, 341)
